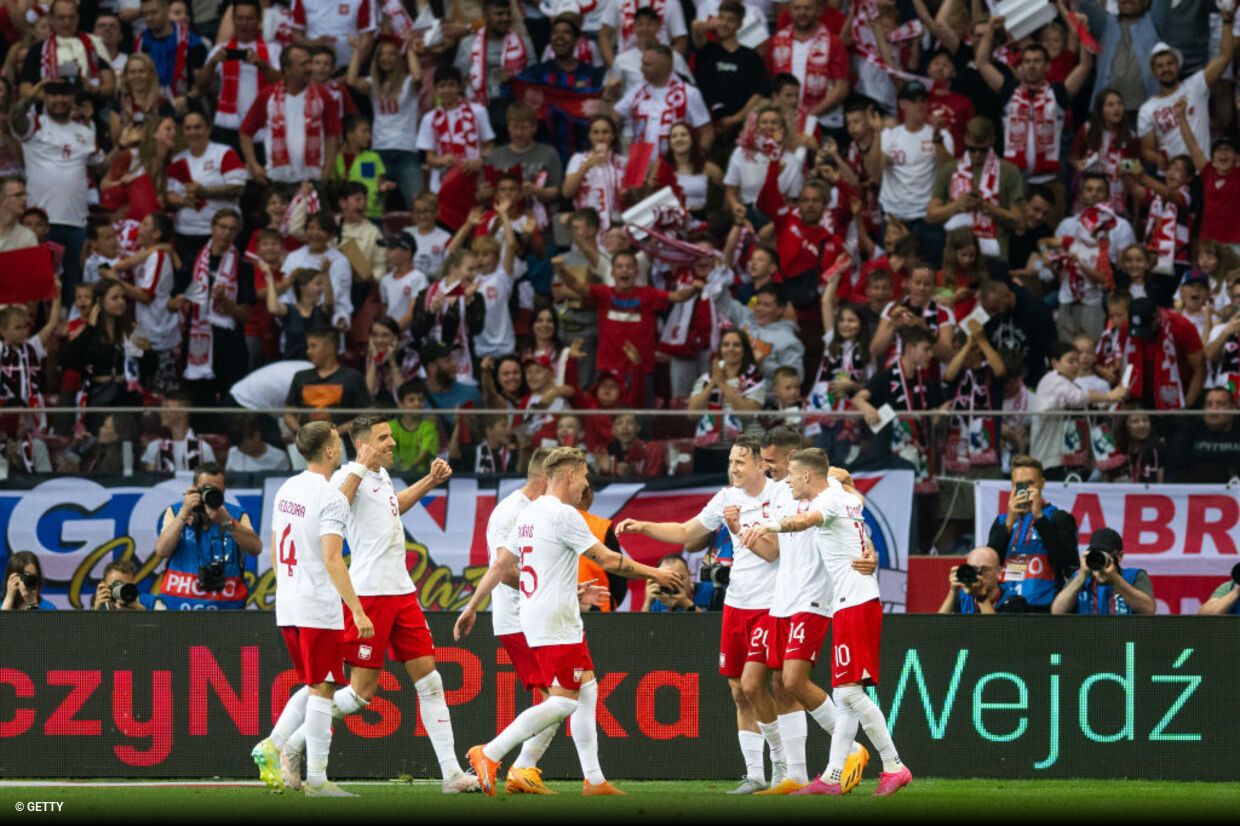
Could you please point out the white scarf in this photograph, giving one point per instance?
(984, 228)
(205, 312)
(460, 355)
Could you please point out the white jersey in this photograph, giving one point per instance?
(841, 541)
(161, 326)
(505, 599)
(376, 537)
(56, 157)
(396, 121)
(802, 584)
(752, 577)
(432, 248)
(909, 175)
(217, 166)
(307, 508)
(398, 290)
(547, 538)
(497, 336)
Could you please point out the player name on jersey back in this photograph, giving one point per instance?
(376, 537)
(307, 508)
(840, 540)
(547, 538)
(752, 578)
(505, 601)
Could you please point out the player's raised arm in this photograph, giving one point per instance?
(440, 472)
(789, 524)
(503, 570)
(367, 459)
(626, 566)
(673, 533)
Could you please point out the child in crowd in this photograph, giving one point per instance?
(417, 440)
(627, 455)
(359, 163)
(1145, 450)
(403, 282)
(496, 452)
(430, 241)
(105, 250)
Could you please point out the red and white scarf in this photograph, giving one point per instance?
(1107, 159)
(398, 16)
(49, 64)
(815, 84)
(286, 27)
(584, 51)
(278, 126)
(1115, 349)
(865, 45)
(1163, 232)
(675, 108)
(513, 58)
(310, 200)
(1091, 247)
(628, 8)
(456, 131)
(971, 439)
(1168, 383)
(166, 457)
(680, 317)
(205, 312)
(988, 188)
(230, 81)
(180, 62)
(460, 355)
(1032, 110)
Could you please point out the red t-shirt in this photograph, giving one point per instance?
(1187, 341)
(955, 110)
(626, 316)
(1220, 204)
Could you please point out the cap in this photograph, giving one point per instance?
(914, 89)
(402, 241)
(1106, 539)
(1196, 277)
(1161, 47)
(434, 351)
(1142, 315)
(1225, 140)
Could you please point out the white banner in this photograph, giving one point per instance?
(1186, 530)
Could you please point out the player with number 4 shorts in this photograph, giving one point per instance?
(307, 540)
(836, 522)
(543, 547)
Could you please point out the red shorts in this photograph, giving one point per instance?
(318, 654)
(854, 644)
(523, 659)
(400, 630)
(563, 665)
(798, 637)
(742, 640)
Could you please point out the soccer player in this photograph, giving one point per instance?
(377, 564)
(307, 537)
(549, 536)
(838, 529)
(743, 642)
(800, 616)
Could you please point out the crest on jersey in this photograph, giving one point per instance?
(364, 652)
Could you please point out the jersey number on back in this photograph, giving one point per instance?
(288, 550)
(527, 569)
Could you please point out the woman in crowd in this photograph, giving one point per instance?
(304, 313)
(140, 98)
(593, 179)
(23, 584)
(733, 383)
(105, 355)
(393, 86)
(694, 174)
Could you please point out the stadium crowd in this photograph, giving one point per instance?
(419, 205)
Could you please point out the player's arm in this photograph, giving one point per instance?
(504, 569)
(766, 548)
(441, 471)
(333, 560)
(626, 566)
(367, 459)
(789, 524)
(673, 533)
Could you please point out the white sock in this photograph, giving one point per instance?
(585, 733)
(438, 724)
(842, 743)
(550, 712)
(751, 750)
(297, 741)
(792, 730)
(346, 701)
(824, 715)
(318, 739)
(291, 717)
(873, 722)
(534, 748)
(770, 733)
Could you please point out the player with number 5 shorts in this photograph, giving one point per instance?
(836, 521)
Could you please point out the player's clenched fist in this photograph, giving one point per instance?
(732, 516)
(365, 628)
(370, 455)
(441, 471)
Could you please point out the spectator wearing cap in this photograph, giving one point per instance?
(1102, 586)
(628, 63)
(981, 191)
(68, 53)
(1196, 302)
(1220, 188)
(403, 282)
(1161, 138)
(327, 385)
(1207, 450)
(1167, 357)
(904, 159)
(444, 390)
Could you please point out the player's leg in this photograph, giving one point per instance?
(790, 716)
(533, 749)
(733, 648)
(842, 738)
(323, 652)
(524, 777)
(756, 683)
(266, 754)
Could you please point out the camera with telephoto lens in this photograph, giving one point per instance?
(717, 573)
(123, 592)
(1235, 573)
(212, 497)
(31, 581)
(966, 574)
(1096, 560)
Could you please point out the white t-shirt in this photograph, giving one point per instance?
(497, 337)
(339, 18)
(643, 106)
(628, 67)
(840, 540)
(396, 121)
(56, 156)
(1157, 115)
(673, 23)
(753, 578)
(150, 456)
(247, 81)
(909, 177)
(159, 325)
(600, 187)
(271, 459)
(307, 508)
(747, 172)
(397, 291)
(219, 165)
(1047, 439)
(802, 584)
(376, 537)
(267, 387)
(547, 538)
(1120, 237)
(432, 248)
(505, 600)
(428, 137)
(338, 272)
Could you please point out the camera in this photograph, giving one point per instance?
(966, 574)
(212, 497)
(31, 581)
(717, 573)
(1235, 573)
(213, 576)
(1097, 560)
(123, 592)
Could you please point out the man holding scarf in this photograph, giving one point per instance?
(66, 52)
(980, 191)
(1169, 366)
(807, 49)
(302, 123)
(652, 107)
(488, 59)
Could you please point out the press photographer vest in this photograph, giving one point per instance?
(179, 588)
(968, 605)
(1027, 571)
(1102, 600)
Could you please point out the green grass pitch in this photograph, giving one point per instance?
(926, 800)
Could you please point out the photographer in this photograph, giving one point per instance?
(118, 591)
(23, 584)
(1102, 586)
(974, 587)
(203, 543)
(1036, 541)
(1226, 597)
(660, 601)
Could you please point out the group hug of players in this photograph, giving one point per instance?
(800, 560)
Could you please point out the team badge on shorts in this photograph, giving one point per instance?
(363, 652)
(723, 659)
(577, 675)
